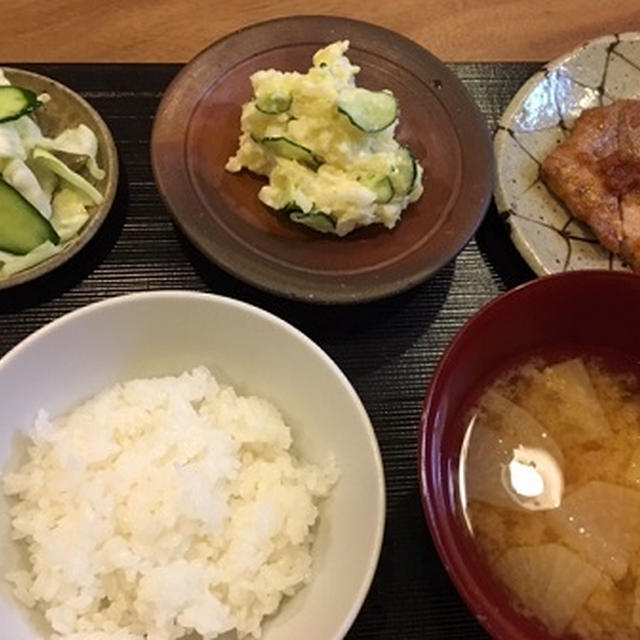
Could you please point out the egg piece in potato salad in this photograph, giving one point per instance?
(327, 146)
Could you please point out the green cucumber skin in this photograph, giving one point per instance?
(414, 167)
(359, 125)
(355, 109)
(381, 186)
(290, 207)
(404, 178)
(264, 105)
(22, 226)
(29, 104)
(385, 191)
(297, 215)
(327, 222)
(291, 150)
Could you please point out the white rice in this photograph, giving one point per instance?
(161, 507)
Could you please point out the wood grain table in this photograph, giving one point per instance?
(175, 30)
(388, 349)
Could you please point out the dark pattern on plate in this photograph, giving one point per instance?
(541, 116)
(388, 349)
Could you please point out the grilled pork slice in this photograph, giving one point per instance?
(596, 173)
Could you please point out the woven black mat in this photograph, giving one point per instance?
(388, 349)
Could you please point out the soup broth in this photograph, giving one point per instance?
(550, 487)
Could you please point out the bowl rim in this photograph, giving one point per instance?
(112, 171)
(445, 534)
(366, 578)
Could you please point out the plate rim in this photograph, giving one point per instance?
(480, 192)
(112, 171)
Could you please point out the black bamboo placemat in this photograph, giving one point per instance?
(388, 349)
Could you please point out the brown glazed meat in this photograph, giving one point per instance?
(596, 173)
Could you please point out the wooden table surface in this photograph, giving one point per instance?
(175, 30)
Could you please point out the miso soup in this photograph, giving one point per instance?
(550, 488)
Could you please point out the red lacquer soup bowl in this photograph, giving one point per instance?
(589, 312)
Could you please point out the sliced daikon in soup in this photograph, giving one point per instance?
(488, 453)
(602, 521)
(632, 473)
(549, 580)
(572, 389)
(525, 428)
(502, 434)
(562, 439)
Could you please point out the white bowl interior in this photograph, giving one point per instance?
(163, 333)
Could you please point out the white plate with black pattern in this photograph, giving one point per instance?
(539, 117)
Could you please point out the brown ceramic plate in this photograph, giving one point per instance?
(197, 126)
(67, 109)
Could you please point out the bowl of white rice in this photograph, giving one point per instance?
(182, 465)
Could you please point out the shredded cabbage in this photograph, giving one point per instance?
(11, 264)
(74, 179)
(80, 141)
(11, 145)
(28, 162)
(48, 180)
(69, 213)
(29, 132)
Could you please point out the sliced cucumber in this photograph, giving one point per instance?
(382, 187)
(317, 220)
(291, 150)
(370, 111)
(404, 172)
(290, 207)
(22, 226)
(16, 102)
(273, 103)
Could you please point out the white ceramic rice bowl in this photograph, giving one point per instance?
(162, 333)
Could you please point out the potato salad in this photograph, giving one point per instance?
(327, 147)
